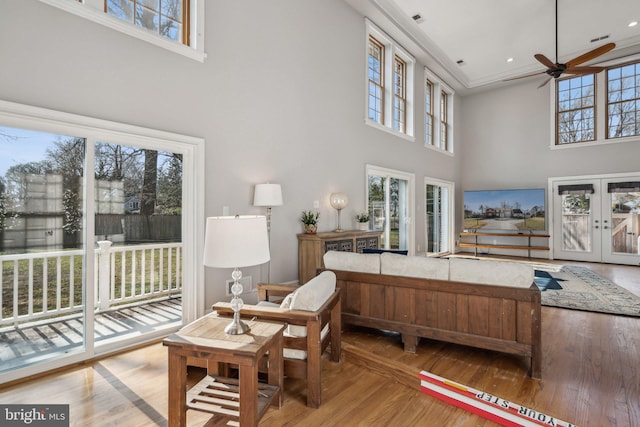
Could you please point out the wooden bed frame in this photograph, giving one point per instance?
(500, 318)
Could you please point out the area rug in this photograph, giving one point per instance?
(582, 289)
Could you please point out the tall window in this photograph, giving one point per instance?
(428, 112)
(389, 84)
(376, 82)
(438, 120)
(399, 95)
(444, 119)
(168, 18)
(623, 99)
(576, 109)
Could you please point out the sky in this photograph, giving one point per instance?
(27, 146)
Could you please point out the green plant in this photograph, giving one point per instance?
(309, 217)
(362, 216)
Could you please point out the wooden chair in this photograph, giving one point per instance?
(301, 353)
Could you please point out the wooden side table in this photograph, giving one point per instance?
(245, 399)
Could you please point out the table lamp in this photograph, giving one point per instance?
(339, 201)
(234, 242)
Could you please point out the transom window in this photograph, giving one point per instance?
(623, 97)
(174, 25)
(576, 109)
(168, 18)
(598, 108)
(438, 117)
(389, 102)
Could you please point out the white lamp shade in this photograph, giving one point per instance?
(236, 241)
(267, 195)
(339, 200)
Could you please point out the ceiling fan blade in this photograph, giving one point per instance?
(537, 73)
(583, 70)
(544, 83)
(591, 55)
(544, 60)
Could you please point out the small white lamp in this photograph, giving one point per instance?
(233, 242)
(339, 201)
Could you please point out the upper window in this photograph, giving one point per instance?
(623, 99)
(597, 108)
(438, 116)
(167, 18)
(576, 109)
(389, 83)
(175, 25)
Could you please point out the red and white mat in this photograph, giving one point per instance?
(484, 404)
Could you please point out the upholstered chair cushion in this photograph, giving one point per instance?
(414, 266)
(352, 261)
(514, 274)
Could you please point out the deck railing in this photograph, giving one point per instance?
(49, 284)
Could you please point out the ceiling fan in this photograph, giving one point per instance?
(555, 70)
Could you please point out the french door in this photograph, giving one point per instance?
(390, 203)
(439, 216)
(597, 219)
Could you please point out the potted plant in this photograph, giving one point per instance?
(310, 221)
(362, 218)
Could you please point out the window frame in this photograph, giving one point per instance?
(593, 107)
(636, 99)
(94, 10)
(391, 50)
(601, 111)
(439, 92)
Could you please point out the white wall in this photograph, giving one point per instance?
(507, 134)
(280, 98)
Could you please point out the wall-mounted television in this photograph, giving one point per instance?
(505, 210)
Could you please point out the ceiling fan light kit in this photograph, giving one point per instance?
(556, 69)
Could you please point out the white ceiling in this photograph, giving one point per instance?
(484, 33)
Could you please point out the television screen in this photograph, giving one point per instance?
(507, 210)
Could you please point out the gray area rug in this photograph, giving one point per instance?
(582, 289)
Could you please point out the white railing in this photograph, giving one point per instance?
(48, 284)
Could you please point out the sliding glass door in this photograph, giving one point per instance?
(390, 203)
(97, 239)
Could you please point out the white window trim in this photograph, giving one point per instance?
(192, 149)
(600, 113)
(438, 87)
(391, 49)
(93, 12)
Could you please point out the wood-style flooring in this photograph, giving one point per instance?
(590, 377)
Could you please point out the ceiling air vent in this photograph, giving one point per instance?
(418, 18)
(597, 39)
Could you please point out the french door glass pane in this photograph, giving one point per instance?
(388, 206)
(41, 247)
(625, 222)
(576, 222)
(138, 226)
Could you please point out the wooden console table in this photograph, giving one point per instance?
(479, 243)
(311, 248)
(244, 399)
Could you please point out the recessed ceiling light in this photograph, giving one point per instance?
(509, 59)
(633, 23)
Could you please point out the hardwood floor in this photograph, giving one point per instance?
(590, 377)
